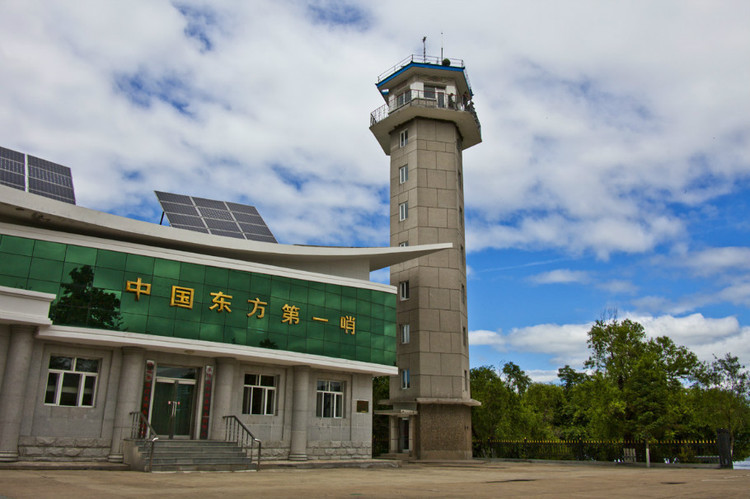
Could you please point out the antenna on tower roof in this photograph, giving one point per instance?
(441, 46)
(424, 48)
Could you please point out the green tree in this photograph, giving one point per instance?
(647, 379)
(726, 399)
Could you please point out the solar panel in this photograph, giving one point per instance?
(36, 175)
(215, 217)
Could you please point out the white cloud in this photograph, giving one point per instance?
(566, 343)
(561, 276)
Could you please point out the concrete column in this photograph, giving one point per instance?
(300, 413)
(14, 389)
(393, 445)
(4, 342)
(129, 394)
(223, 395)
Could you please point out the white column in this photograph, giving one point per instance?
(300, 413)
(223, 391)
(14, 389)
(129, 394)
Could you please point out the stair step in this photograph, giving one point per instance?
(196, 455)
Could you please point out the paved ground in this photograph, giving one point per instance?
(498, 479)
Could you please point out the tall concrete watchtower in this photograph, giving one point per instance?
(426, 123)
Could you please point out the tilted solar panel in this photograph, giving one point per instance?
(215, 217)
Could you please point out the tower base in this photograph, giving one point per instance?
(443, 432)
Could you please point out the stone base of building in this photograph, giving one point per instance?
(63, 449)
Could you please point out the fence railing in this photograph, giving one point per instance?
(236, 431)
(668, 451)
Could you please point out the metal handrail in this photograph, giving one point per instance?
(141, 429)
(421, 59)
(418, 98)
(236, 431)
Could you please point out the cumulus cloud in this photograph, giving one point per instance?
(566, 343)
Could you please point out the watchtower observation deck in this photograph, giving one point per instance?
(426, 87)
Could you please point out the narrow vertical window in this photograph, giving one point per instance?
(403, 290)
(405, 379)
(403, 211)
(466, 337)
(405, 333)
(403, 138)
(466, 380)
(403, 174)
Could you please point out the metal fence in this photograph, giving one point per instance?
(667, 451)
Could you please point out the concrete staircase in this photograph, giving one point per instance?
(190, 455)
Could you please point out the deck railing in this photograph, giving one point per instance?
(425, 99)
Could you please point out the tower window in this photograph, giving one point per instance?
(405, 333)
(403, 290)
(405, 379)
(403, 244)
(403, 174)
(403, 211)
(403, 138)
(403, 98)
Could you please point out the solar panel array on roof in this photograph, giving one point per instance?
(36, 175)
(210, 216)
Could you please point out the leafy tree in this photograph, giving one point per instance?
(515, 378)
(648, 377)
(726, 398)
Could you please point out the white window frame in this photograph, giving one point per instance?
(405, 334)
(403, 137)
(405, 379)
(403, 290)
(403, 211)
(79, 381)
(330, 399)
(403, 174)
(263, 386)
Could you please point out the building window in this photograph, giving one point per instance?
(403, 138)
(405, 379)
(405, 333)
(71, 381)
(466, 337)
(403, 98)
(330, 399)
(403, 211)
(259, 396)
(403, 174)
(403, 244)
(466, 380)
(403, 290)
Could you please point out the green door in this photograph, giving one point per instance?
(173, 403)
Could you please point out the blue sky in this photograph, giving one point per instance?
(614, 172)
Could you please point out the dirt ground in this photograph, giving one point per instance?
(478, 479)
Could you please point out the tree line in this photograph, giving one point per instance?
(632, 388)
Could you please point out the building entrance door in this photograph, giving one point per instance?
(173, 403)
(403, 435)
